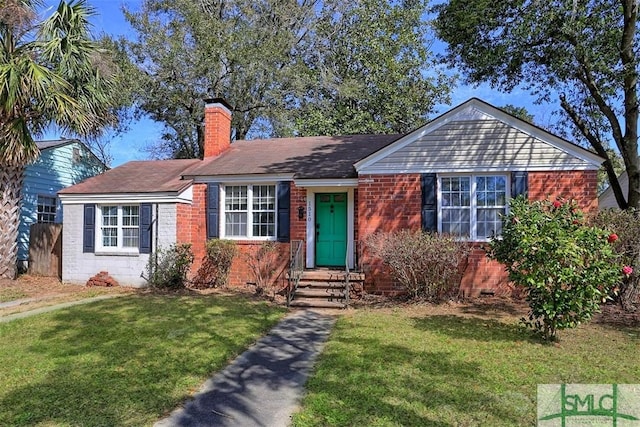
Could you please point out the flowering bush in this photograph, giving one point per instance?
(425, 264)
(566, 267)
(625, 238)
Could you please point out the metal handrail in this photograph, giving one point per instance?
(347, 291)
(296, 267)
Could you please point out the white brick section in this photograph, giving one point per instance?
(78, 267)
(166, 226)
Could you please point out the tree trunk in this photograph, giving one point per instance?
(11, 178)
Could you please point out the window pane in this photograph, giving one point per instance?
(491, 199)
(481, 229)
(46, 209)
(130, 226)
(491, 191)
(456, 221)
(482, 198)
(110, 216)
(236, 198)
(264, 197)
(489, 222)
(236, 224)
(481, 184)
(109, 237)
(130, 237)
(456, 199)
(130, 216)
(457, 191)
(264, 224)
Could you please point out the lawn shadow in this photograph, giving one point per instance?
(418, 388)
(614, 317)
(495, 308)
(474, 328)
(129, 360)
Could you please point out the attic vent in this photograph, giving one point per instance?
(77, 155)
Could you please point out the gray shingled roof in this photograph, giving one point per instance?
(150, 176)
(308, 157)
(43, 145)
(315, 157)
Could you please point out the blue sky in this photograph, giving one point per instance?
(130, 145)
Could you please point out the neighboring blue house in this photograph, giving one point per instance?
(62, 163)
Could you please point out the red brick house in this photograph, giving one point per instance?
(455, 174)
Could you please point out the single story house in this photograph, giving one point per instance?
(454, 175)
(62, 163)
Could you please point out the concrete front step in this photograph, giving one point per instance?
(331, 275)
(320, 285)
(323, 288)
(319, 293)
(317, 303)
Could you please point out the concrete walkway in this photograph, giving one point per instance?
(263, 386)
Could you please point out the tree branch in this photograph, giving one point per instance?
(599, 147)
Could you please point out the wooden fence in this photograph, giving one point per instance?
(45, 250)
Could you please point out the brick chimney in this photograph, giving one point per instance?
(217, 127)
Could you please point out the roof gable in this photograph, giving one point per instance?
(50, 145)
(477, 136)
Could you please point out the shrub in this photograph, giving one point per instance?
(263, 264)
(565, 266)
(425, 264)
(168, 268)
(625, 226)
(216, 265)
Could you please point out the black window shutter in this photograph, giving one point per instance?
(146, 218)
(89, 229)
(429, 184)
(519, 184)
(213, 210)
(284, 209)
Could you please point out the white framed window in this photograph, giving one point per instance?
(472, 206)
(46, 209)
(249, 211)
(118, 227)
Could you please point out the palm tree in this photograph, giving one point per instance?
(51, 71)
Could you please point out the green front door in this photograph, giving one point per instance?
(331, 229)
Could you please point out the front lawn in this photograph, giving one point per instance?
(434, 367)
(125, 361)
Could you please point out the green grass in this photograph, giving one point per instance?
(396, 368)
(126, 361)
(9, 294)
